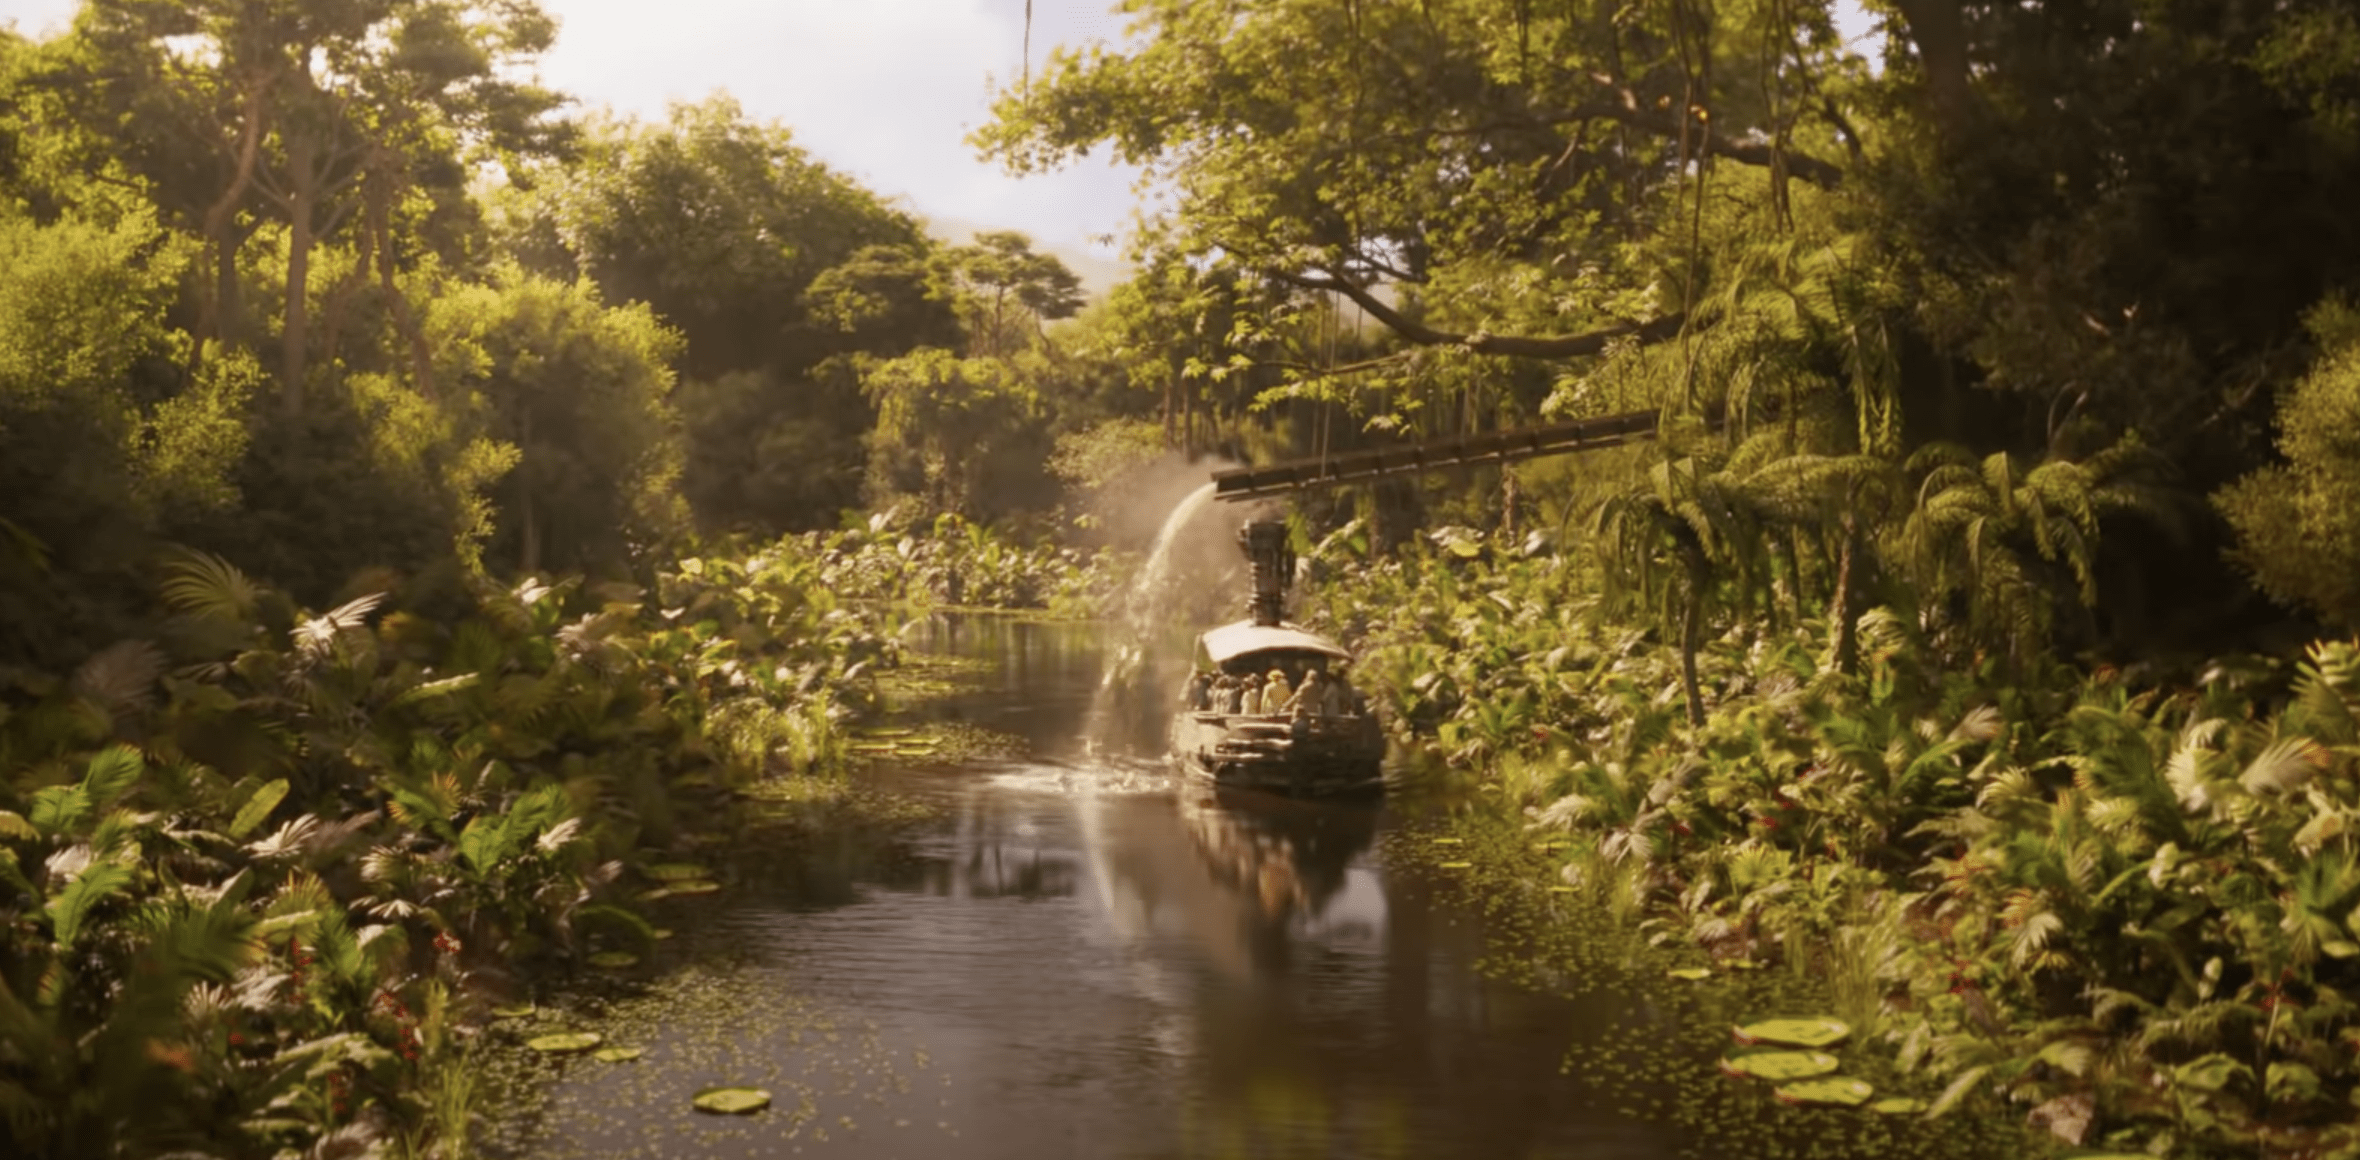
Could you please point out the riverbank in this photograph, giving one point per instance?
(2118, 912)
(273, 869)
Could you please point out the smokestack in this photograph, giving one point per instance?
(1273, 559)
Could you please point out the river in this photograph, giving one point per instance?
(1078, 955)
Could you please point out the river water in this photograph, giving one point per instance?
(1079, 956)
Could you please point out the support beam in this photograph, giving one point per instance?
(1449, 451)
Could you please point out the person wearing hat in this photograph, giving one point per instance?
(1338, 691)
(1249, 695)
(1311, 699)
(1275, 693)
(1199, 695)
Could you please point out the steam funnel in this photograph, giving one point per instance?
(1273, 559)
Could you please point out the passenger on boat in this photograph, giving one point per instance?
(1311, 699)
(1249, 695)
(1342, 699)
(1198, 697)
(1221, 693)
(1275, 693)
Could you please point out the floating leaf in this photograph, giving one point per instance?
(1901, 1106)
(516, 1012)
(1690, 974)
(731, 1101)
(617, 1054)
(678, 871)
(1449, 841)
(614, 960)
(1813, 1032)
(1778, 1066)
(565, 1042)
(1457, 865)
(694, 887)
(662, 933)
(1835, 1091)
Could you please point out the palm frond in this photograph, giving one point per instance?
(204, 585)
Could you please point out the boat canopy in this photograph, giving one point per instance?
(1236, 640)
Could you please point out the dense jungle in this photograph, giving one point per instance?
(433, 513)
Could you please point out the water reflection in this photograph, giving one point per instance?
(1088, 958)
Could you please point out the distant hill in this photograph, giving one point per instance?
(1097, 272)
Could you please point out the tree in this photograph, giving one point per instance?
(725, 228)
(101, 443)
(235, 113)
(2298, 523)
(1011, 293)
(581, 390)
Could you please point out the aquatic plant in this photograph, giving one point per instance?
(2127, 911)
(254, 874)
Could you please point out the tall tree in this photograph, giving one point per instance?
(237, 114)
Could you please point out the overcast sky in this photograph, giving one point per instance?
(884, 90)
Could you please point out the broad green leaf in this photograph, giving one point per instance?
(258, 808)
(14, 828)
(731, 1101)
(1835, 1091)
(564, 1042)
(112, 772)
(2209, 1073)
(1777, 1065)
(1960, 1085)
(73, 904)
(60, 809)
(1796, 1032)
(433, 689)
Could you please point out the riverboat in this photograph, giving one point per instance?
(1334, 747)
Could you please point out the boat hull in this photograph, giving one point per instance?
(1319, 756)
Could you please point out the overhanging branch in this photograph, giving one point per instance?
(1519, 346)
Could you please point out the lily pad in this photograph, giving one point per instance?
(1690, 974)
(614, 960)
(1899, 1106)
(565, 1042)
(1778, 1066)
(695, 887)
(655, 893)
(677, 871)
(617, 1054)
(518, 1011)
(1456, 865)
(1448, 841)
(662, 933)
(890, 731)
(731, 1101)
(1812, 1032)
(1835, 1091)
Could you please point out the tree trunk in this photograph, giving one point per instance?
(1938, 29)
(1847, 630)
(1508, 497)
(1691, 640)
(1794, 574)
(301, 202)
(531, 556)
